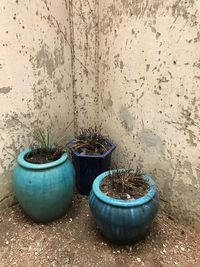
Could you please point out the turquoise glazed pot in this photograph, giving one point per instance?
(44, 190)
(123, 221)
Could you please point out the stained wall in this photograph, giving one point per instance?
(150, 96)
(131, 65)
(85, 67)
(35, 77)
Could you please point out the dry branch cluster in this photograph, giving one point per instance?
(125, 184)
(91, 141)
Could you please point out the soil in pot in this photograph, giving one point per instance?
(91, 142)
(125, 185)
(42, 156)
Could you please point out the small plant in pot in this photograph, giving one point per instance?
(44, 179)
(91, 155)
(124, 204)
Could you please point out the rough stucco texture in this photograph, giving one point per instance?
(131, 65)
(35, 77)
(150, 96)
(84, 41)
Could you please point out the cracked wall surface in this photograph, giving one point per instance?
(150, 96)
(35, 77)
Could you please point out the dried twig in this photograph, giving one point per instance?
(125, 184)
(91, 141)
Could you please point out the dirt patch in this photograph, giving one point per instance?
(41, 156)
(75, 241)
(124, 185)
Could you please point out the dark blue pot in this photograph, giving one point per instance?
(88, 167)
(44, 190)
(123, 221)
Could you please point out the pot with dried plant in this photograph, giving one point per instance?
(91, 155)
(124, 204)
(44, 179)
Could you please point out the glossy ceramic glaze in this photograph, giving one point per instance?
(44, 190)
(123, 221)
(88, 167)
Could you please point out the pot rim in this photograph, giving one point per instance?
(112, 148)
(22, 162)
(119, 202)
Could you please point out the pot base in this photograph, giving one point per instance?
(123, 222)
(44, 191)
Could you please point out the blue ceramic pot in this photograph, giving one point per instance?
(44, 190)
(123, 221)
(88, 167)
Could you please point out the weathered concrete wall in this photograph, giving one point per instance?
(35, 76)
(132, 65)
(150, 95)
(85, 45)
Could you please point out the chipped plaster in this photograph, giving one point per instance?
(35, 78)
(5, 90)
(149, 67)
(131, 66)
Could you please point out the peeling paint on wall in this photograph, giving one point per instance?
(149, 66)
(5, 90)
(132, 66)
(35, 78)
(85, 60)
(47, 60)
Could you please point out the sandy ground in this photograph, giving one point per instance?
(74, 240)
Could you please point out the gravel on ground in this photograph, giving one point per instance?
(74, 240)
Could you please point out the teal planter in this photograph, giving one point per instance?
(123, 221)
(44, 190)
